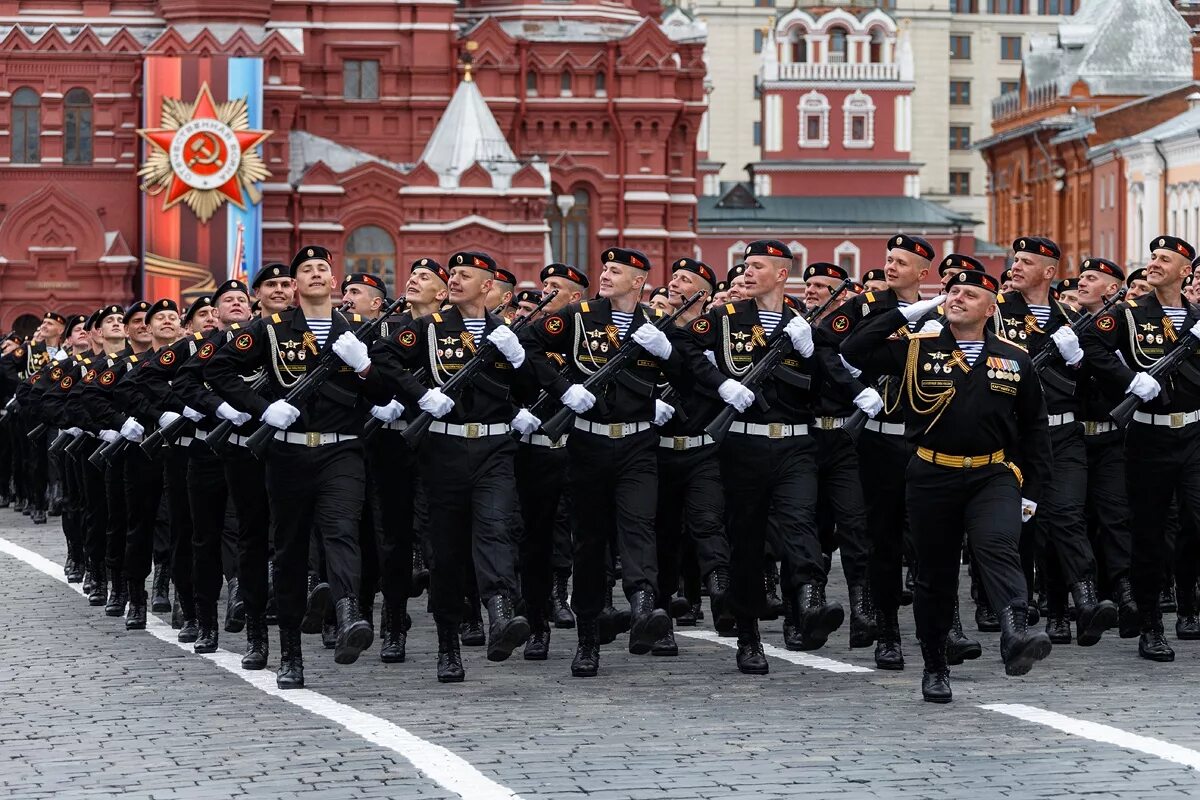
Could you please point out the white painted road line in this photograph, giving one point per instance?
(800, 659)
(441, 766)
(1100, 733)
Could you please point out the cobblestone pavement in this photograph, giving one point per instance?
(92, 711)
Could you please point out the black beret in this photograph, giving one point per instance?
(823, 269)
(1038, 245)
(959, 261)
(630, 258)
(735, 271)
(108, 311)
(875, 275)
(432, 266)
(1068, 284)
(140, 305)
(661, 291)
(54, 315)
(272, 270)
(697, 267)
(1187, 281)
(165, 304)
(307, 254)
(722, 286)
(73, 321)
(1102, 265)
(857, 287)
(793, 302)
(1196, 262)
(1006, 276)
(225, 288)
(363, 279)
(973, 277)
(197, 304)
(1174, 244)
(768, 247)
(528, 296)
(255, 307)
(913, 244)
(470, 259)
(504, 276)
(563, 271)
(1138, 274)
(92, 321)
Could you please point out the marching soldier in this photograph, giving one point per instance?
(1137, 283)
(42, 350)
(971, 408)
(875, 280)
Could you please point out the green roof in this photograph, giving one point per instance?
(738, 208)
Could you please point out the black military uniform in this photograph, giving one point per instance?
(35, 464)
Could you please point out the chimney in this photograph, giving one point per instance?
(1193, 101)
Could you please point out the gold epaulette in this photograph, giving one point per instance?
(199, 336)
(729, 309)
(275, 318)
(133, 359)
(234, 326)
(437, 317)
(658, 312)
(1000, 298)
(356, 317)
(583, 307)
(1132, 303)
(870, 297)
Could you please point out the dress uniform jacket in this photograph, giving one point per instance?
(1015, 322)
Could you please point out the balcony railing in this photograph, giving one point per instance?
(1011, 104)
(836, 72)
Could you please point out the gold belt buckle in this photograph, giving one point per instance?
(312, 439)
(680, 443)
(1177, 419)
(472, 430)
(557, 443)
(775, 430)
(967, 462)
(616, 430)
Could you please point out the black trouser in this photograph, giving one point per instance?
(175, 486)
(245, 478)
(770, 479)
(1160, 463)
(7, 454)
(1061, 517)
(95, 509)
(74, 504)
(391, 486)
(613, 486)
(471, 488)
(541, 474)
(38, 466)
(841, 504)
(20, 456)
(321, 486)
(117, 521)
(143, 495)
(207, 495)
(883, 458)
(1109, 520)
(564, 540)
(985, 502)
(690, 511)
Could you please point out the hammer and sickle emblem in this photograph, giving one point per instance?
(205, 150)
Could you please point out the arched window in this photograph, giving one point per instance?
(837, 46)
(601, 83)
(26, 324)
(878, 46)
(799, 46)
(531, 81)
(27, 127)
(564, 83)
(77, 127)
(845, 255)
(569, 218)
(371, 249)
(814, 120)
(858, 112)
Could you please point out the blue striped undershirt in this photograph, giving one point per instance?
(1176, 315)
(475, 326)
(622, 319)
(971, 350)
(320, 329)
(1040, 313)
(770, 320)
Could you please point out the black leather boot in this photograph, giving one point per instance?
(176, 613)
(862, 624)
(718, 601)
(906, 593)
(1095, 615)
(393, 633)
(210, 632)
(1152, 644)
(506, 629)
(564, 617)
(449, 662)
(611, 622)
(587, 653)
(1019, 647)
(291, 660)
(73, 568)
(235, 608)
(257, 648)
(420, 572)
(1128, 619)
(135, 616)
(38, 515)
(816, 616)
(471, 629)
(1187, 624)
(89, 581)
(99, 591)
(959, 646)
(160, 600)
(888, 652)
(751, 659)
(272, 610)
(986, 620)
(329, 629)
(935, 680)
(666, 645)
(677, 606)
(353, 633)
(1166, 599)
(320, 598)
(773, 606)
(792, 640)
(648, 624)
(118, 595)
(538, 646)
(1058, 625)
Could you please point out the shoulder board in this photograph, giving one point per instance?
(356, 317)
(133, 359)
(507, 321)
(1000, 298)
(583, 307)
(199, 336)
(929, 335)
(729, 309)
(1132, 303)
(437, 317)
(941, 310)
(87, 361)
(235, 326)
(658, 312)
(870, 297)
(1012, 344)
(275, 318)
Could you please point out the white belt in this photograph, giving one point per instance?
(1096, 428)
(398, 425)
(772, 430)
(613, 430)
(239, 440)
(471, 430)
(1061, 419)
(1176, 420)
(313, 439)
(828, 423)
(888, 428)
(542, 440)
(198, 436)
(684, 442)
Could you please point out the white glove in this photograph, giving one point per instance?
(1028, 509)
(351, 351)
(853, 370)
(389, 413)
(193, 414)
(508, 344)
(920, 308)
(1195, 330)
(869, 402)
(663, 412)
(436, 403)
(712, 358)
(75, 432)
(577, 398)
(525, 423)
(280, 415)
(109, 436)
(132, 430)
(1144, 386)
(800, 332)
(231, 414)
(653, 341)
(61, 356)
(931, 326)
(166, 418)
(1068, 345)
(736, 395)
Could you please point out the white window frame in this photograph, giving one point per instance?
(848, 248)
(858, 104)
(813, 104)
(736, 254)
